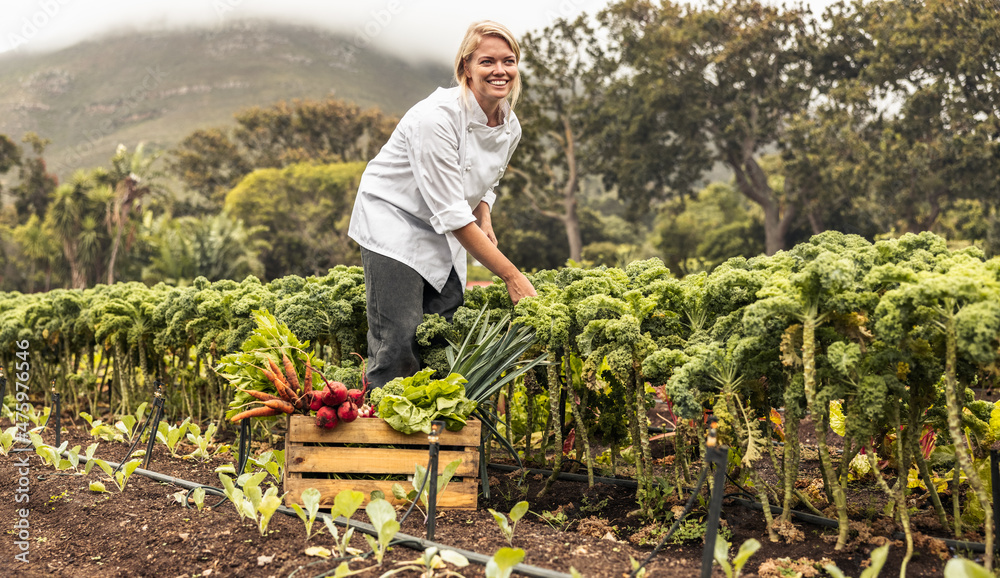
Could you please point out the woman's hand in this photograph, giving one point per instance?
(484, 221)
(483, 250)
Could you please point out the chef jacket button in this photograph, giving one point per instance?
(470, 128)
(468, 168)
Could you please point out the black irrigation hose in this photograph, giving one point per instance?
(977, 547)
(687, 510)
(566, 476)
(405, 540)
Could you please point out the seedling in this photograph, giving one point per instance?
(39, 419)
(383, 517)
(877, 561)
(962, 568)
(271, 461)
(310, 497)
(516, 513)
(734, 569)
(502, 563)
(122, 476)
(101, 430)
(7, 439)
(430, 561)
(198, 495)
(128, 424)
(344, 504)
(201, 442)
(170, 435)
(250, 502)
(418, 480)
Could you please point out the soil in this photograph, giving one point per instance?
(146, 531)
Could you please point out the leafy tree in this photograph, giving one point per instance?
(563, 74)
(213, 246)
(77, 210)
(307, 208)
(704, 85)
(132, 177)
(35, 185)
(212, 161)
(39, 248)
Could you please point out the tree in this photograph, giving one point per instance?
(131, 177)
(39, 248)
(307, 208)
(704, 85)
(74, 218)
(562, 76)
(212, 161)
(35, 186)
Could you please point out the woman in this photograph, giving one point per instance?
(425, 200)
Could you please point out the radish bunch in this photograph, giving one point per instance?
(335, 403)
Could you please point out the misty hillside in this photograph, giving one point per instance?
(159, 86)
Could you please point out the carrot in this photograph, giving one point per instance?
(280, 405)
(262, 396)
(305, 400)
(256, 412)
(308, 379)
(280, 385)
(291, 374)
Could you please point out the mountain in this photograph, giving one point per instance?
(157, 87)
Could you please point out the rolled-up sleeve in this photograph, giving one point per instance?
(435, 158)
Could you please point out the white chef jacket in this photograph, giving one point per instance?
(437, 166)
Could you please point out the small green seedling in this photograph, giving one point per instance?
(431, 561)
(383, 517)
(878, 558)
(345, 504)
(198, 495)
(962, 568)
(170, 435)
(310, 497)
(38, 418)
(516, 513)
(419, 475)
(100, 430)
(122, 476)
(734, 569)
(251, 502)
(201, 443)
(502, 563)
(7, 439)
(128, 424)
(271, 461)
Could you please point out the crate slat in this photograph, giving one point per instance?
(302, 429)
(459, 495)
(369, 460)
(362, 448)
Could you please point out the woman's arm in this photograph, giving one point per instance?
(485, 222)
(483, 249)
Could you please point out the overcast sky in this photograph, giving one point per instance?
(414, 29)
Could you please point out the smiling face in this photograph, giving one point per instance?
(490, 73)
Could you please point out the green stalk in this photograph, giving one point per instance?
(955, 429)
(809, 323)
(643, 424)
(790, 462)
(554, 391)
(581, 434)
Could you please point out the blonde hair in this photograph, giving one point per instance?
(473, 37)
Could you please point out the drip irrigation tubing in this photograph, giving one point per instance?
(977, 547)
(412, 542)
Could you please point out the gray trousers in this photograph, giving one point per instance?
(397, 299)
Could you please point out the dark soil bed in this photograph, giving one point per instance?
(146, 531)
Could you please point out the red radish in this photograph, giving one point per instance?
(316, 400)
(326, 417)
(357, 396)
(347, 412)
(334, 394)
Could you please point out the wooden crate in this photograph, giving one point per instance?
(377, 449)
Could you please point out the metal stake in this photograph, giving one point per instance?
(157, 414)
(56, 410)
(718, 455)
(432, 468)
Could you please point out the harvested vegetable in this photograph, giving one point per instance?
(257, 412)
(326, 417)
